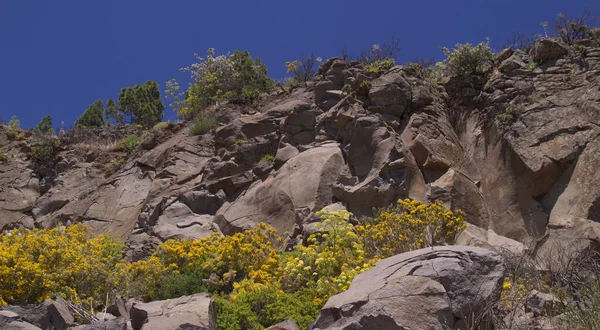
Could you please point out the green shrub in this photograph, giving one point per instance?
(269, 158)
(380, 66)
(93, 116)
(266, 306)
(178, 285)
(44, 150)
(118, 162)
(13, 130)
(203, 125)
(45, 125)
(571, 29)
(511, 113)
(236, 77)
(467, 59)
(3, 157)
(587, 314)
(129, 143)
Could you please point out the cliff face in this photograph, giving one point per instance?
(517, 152)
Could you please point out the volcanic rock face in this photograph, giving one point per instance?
(432, 288)
(516, 151)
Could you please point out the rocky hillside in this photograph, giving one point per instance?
(516, 152)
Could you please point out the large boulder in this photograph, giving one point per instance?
(546, 49)
(188, 312)
(391, 93)
(178, 221)
(303, 182)
(51, 314)
(432, 288)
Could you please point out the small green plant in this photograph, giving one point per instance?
(380, 66)
(587, 314)
(239, 142)
(467, 59)
(84, 195)
(118, 162)
(532, 98)
(346, 90)
(44, 151)
(221, 151)
(581, 50)
(3, 157)
(129, 143)
(161, 125)
(203, 125)
(530, 66)
(13, 130)
(269, 158)
(510, 113)
(364, 87)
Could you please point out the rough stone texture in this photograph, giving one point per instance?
(118, 324)
(303, 182)
(431, 288)
(285, 153)
(188, 312)
(546, 49)
(391, 93)
(525, 182)
(51, 314)
(178, 221)
(36, 315)
(542, 304)
(60, 315)
(285, 325)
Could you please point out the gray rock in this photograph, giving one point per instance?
(60, 315)
(285, 153)
(285, 325)
(324, 99)
(178, 221)
(18, 325)
(448, 284)
(202, 202)
(302, 182)
(391, 93)
(117, 324)
(547, 49)
(188, 312)
(503, 55)
(542, 304)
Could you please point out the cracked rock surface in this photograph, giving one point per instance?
(432, 288)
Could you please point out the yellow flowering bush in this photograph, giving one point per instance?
(223, 260)
(332, 259)
(410, 225)
(37, 264)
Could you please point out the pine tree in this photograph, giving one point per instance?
(92, 117)
(45, 125)
(112, 113)
(141, 104)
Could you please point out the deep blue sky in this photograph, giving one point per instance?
(58, 57)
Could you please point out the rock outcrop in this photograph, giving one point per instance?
(433, 288)
(187, 312)
(516, 151)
